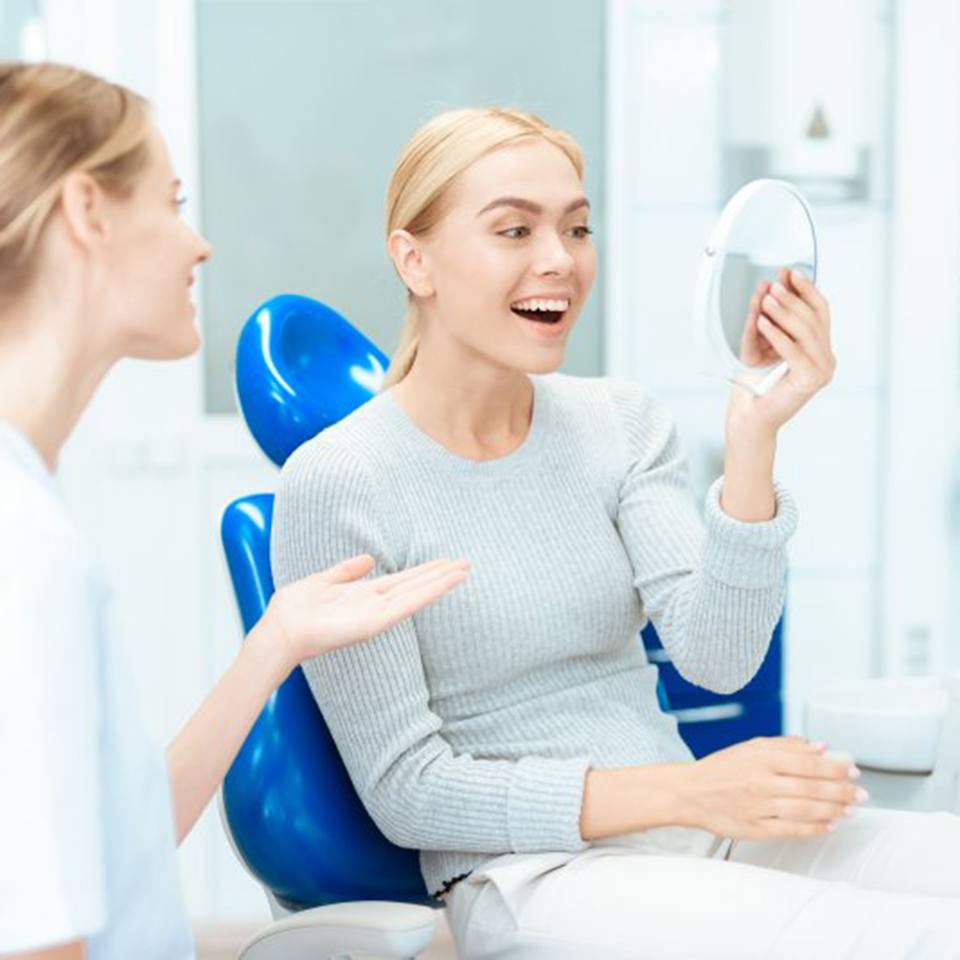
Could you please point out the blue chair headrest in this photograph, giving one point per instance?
(300, 368)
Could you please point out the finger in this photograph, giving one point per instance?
(781, 343)
(347, 570)
(753, 306)
(795, 304)
(383, 583)
(415, 576)
(791, 808)
(775, 828)
(810, 294)
(797, 764)
(836, 791)
(795, 742)
(798, 327)
(804, 333)
(819, 330)
(809, 367)
(754, 349)
(402, 605)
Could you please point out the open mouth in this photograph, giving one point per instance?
(541, 311)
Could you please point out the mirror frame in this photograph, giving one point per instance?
(715, 351)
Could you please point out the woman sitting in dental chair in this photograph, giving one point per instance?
(511, 731)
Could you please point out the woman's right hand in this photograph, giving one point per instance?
(771, 787)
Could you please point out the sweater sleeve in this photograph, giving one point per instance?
(376, 702)
(713, 590)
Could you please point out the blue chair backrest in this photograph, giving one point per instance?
(292, 811)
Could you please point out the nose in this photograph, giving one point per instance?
(205, 249)
(553, 257)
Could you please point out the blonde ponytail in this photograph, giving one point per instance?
(55, 120)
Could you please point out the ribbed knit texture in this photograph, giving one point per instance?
(468, 729)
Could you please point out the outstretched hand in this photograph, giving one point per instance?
(336, 607)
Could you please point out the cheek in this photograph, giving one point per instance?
(587, 265)
(480, 272)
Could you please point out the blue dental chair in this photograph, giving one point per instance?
(335, 885)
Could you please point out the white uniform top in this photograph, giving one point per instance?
(86, 834)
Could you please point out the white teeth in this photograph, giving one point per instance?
(556, 306)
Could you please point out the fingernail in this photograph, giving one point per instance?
(849, 811)
(831, 826)
(778, 288)
(854, 772)
(816, 744)
(861, 795)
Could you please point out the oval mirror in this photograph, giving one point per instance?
(765, 226)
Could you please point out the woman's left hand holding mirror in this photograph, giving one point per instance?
(787, 320)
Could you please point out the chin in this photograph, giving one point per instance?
(168, 348)
(547, 364)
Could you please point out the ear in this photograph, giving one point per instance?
(84, 208)
(408, 257)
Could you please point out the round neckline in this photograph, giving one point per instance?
(445, 458)
(25, 453)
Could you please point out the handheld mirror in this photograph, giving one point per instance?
(766, 225)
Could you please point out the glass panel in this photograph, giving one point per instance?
(21, 30)
(304, 107)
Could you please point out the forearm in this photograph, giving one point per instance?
(629, 799)
(748, 493)
(200, 755)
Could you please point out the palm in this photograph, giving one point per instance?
(335, 608)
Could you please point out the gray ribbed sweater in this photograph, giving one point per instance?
(468, 729)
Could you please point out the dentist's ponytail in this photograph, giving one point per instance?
(55, 120)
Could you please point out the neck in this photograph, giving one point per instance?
(477, 409)
(48, 372)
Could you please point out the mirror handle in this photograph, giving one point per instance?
(774, 376)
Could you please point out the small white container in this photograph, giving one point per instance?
(892, 728)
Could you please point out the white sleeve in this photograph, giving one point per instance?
(51, 860)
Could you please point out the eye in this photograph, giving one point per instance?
(514, 233)
(581, 232)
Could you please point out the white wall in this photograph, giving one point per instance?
(923, 345)
(869, 459)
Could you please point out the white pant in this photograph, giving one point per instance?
(884, 886)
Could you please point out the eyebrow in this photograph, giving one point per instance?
(530, 206)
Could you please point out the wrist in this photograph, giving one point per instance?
(630, 799)
(686, 811)
(267, 651)
(747, 431)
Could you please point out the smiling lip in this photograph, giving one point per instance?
(549, 331)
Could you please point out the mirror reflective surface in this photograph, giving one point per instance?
(765, 227)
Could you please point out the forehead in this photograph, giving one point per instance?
(534, 170)
(159, 165)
